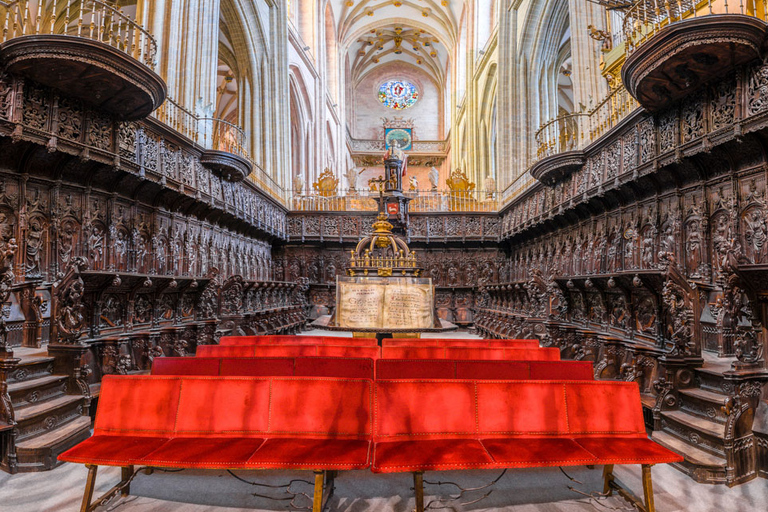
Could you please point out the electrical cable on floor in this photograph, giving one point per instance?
(439, 503)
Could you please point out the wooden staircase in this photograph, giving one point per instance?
(48, 418)
(696, 426)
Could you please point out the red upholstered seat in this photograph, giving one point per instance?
(431, 454)
(415, 369)
(477, 353)
(288, 351)
(303, 453)
(537, 451)
(257, 366)
(185, 366)
(509, 354)
(447, 342)
(204, 452)
(296, 340)
(487, 370)
(347, 367)
(441, 424)
(113, 450)
(562, 370)
(214, 422)
(342, 367)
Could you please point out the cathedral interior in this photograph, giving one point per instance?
(588, 174)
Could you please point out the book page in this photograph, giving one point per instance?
(408, 306)
(359, 305)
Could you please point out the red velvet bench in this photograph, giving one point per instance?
(287, 351)
(312, 424)
(447, 342)
(341, 367)
(520, 354)
(497, 370)
(423, 425)
(296, 340)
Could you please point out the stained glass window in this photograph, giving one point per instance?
(398, 94)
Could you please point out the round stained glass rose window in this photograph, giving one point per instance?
(398, 94)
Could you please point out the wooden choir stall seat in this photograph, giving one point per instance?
(423, 425)
(315, 424)
(342, 367)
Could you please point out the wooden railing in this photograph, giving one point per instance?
(647, 17)
(221, 135)
(91, 19)
(578, 130)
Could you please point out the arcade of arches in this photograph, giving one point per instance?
(592, 174)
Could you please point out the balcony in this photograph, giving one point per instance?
(225, 152)
(558, 154)
(88, 49)
(676, 46)
(223, 143)
(560, 142)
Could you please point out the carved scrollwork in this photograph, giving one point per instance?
(69, 311)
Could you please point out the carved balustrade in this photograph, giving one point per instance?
(90, 19)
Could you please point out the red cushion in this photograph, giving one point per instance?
(561, 370)
(224, 406)
(284, 350)
(295, 340)
(219, 351)
(411, 352)
(415, 369)
(204, 452)
(185, 366)
(588, 414)
(526, 407)
(423, 455)
(112, 450)
(509, 354)
(627, 450)
(301, 453)
(342, 367)
(492, 370)
(348, 351)
(414, 409)
(328, 407)
(144, 405)
(537, 451)
(257, 366)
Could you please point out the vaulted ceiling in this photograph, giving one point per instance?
(418, 32)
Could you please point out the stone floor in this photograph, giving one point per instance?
(523, 490)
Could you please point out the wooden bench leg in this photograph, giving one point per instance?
(607, 479)
(648, 488)
(317, 501)
(90, 484)
(126, 473)
(418, 486)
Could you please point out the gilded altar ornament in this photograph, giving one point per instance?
(326, 184)
(381, 252)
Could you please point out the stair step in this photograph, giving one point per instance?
(36, 359)
(29, 385)
(26, 413)
(704, 395)
(710, 428)
(56, 436)
(692, 454)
